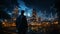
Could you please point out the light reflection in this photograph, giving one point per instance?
(33, 26)
(56, 22)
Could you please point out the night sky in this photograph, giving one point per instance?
(44, 7)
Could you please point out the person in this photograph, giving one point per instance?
(21, 23)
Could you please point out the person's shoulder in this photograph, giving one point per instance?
(25, 16)
(18, 16)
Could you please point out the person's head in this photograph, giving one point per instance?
(22, 12)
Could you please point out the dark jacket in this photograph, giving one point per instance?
(21, 22)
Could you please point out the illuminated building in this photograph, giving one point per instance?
(34, 24)
(55, 21)
(11, 22)
(34, 15)
(15, 13)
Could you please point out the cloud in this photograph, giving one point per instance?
(40, 4)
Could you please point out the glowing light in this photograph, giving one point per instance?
(28, 14)
(14, 18)
(47, 23)
(13, 24)
(10, 13)
(5, 20)
(55, 22)
(3, 23)
(24, 13)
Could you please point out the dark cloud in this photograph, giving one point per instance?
(40, 4)
(8, 4)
